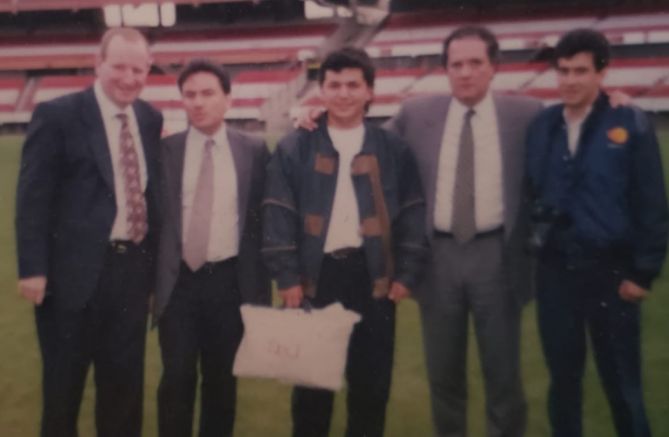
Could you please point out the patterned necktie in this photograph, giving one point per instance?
(136, 223)
(197, 237)
(463, 225)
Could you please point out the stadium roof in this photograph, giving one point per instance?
(45, 5)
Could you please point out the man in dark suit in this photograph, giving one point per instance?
(209, 256)
(470, 152)
(86, 224)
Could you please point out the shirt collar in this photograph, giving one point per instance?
(108, 108)
(220, 137)
(579, 121)
(483, 108)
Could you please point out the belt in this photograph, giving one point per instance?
(210, 267)
(121, 247)
(484, 234)
(345, 253)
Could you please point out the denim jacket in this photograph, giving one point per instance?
(301, 182)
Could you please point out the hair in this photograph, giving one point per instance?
(127, 33)
(205, 66)
(584, 40)
(480, 32)
(348, 57)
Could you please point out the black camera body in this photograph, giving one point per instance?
(545, 221)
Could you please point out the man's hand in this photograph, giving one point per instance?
(618, 98)
(398, 292)
(292, 297)
(306, 119)
(631, 292)
(33, 288)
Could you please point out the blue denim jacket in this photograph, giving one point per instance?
(301, 182)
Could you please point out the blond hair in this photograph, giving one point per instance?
(127, 33)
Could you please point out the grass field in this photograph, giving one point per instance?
(263, 407)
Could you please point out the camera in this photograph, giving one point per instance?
(545, 221)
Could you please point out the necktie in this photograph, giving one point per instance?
(463, 225)
(135, 202)
(197, 237)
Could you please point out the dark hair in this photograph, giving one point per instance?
(479, 32)
(205, 66)
(584, 40)
(348, 57)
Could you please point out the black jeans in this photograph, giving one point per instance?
(202, 323)
(570, 300)
(370, 354)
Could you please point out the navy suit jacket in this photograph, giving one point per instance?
(66, 205)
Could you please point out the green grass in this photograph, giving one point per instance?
(263, 406)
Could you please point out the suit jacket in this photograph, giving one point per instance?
(250, 156)
(421, 122)
(66, 205)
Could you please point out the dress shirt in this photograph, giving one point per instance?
(112, 124)
(344, 227)
(224, 230)
(488, 177)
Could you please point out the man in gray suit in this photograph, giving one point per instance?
(470, 150)
(209, 255)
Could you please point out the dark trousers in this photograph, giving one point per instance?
(370, 354)
(463, 281)
(108, 332)
(570, 301)
(201, 323)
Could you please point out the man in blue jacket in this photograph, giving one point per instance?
(600, 216)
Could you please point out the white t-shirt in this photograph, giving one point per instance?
(344, 228)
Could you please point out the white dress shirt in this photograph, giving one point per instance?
(224, 228)
(344, 227)
(112, 123)
(488, 173)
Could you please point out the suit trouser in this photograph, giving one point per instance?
(370, 354)
(202, 322)
(110, 333)
(570, 301)
(464, 279)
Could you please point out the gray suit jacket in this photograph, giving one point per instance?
(421, 121)
(250, 156)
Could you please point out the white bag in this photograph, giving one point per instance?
(299, 347)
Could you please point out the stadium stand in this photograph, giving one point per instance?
(422, 34)
(271, 63)
(257, 45)
(251, 92)
(10, 90)
(646, 80)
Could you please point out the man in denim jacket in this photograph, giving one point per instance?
(343, 221)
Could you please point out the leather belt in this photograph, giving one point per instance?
(484, 234)
(210, 267)
(121, 247)
(345, 253)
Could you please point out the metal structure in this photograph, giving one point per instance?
(15, 6)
